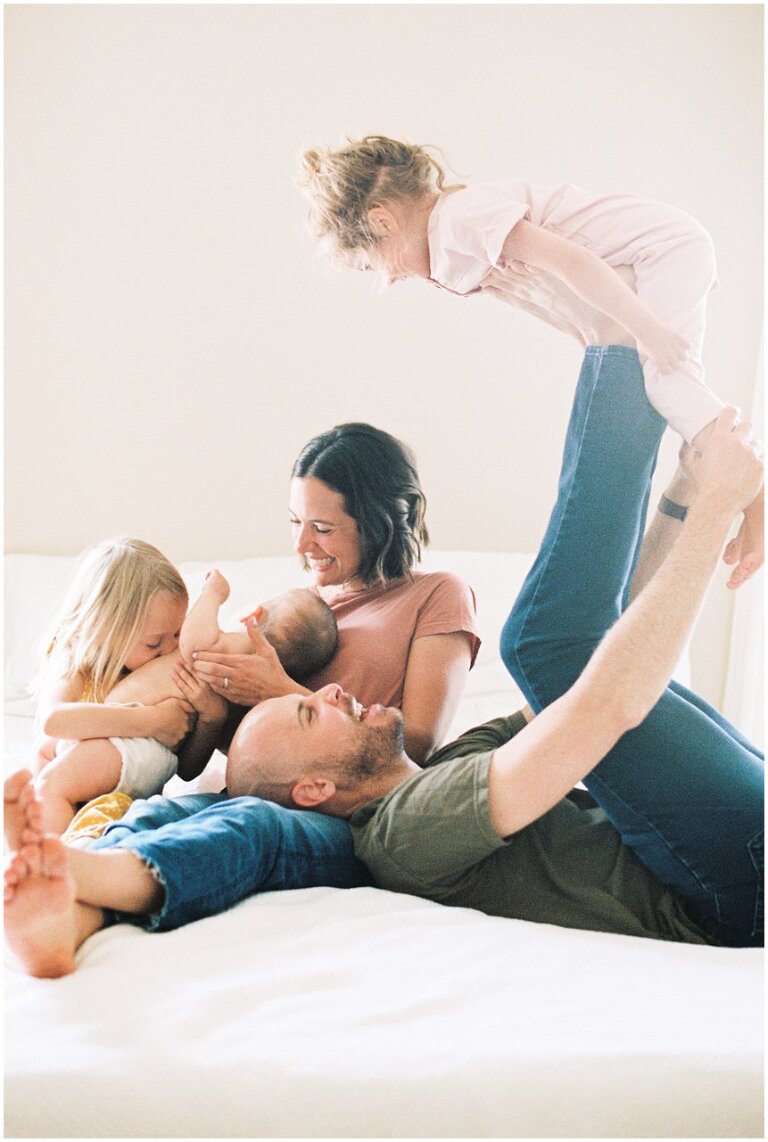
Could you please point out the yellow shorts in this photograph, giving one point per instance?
(92, 820)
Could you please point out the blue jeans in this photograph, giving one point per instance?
(684, 789)
(210, 851)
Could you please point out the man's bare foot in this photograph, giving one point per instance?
(200, 630)
(21, 811)
(746, 550)
(40, 909)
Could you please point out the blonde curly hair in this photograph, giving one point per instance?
(344, 185)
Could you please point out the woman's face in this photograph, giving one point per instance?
(323, 533)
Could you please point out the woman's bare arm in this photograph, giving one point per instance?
(435, 677)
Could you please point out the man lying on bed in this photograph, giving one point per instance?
(492, 823)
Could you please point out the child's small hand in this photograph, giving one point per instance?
(170, 721)
(666, 347)
(209, 706)
(746, 550)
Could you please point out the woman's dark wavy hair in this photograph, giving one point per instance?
(376, 475)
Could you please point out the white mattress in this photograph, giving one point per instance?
(362, 1013)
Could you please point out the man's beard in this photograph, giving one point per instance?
(378, 750)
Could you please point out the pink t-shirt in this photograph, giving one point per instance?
(468, 228)
(377, 627)
(670, 253)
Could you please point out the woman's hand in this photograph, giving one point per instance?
(170, 721)
(246, 679)
(211, 709)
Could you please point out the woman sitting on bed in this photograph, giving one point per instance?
(406, 638)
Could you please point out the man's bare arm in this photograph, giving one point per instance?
(628, 672)
(664, 530)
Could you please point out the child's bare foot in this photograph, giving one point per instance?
(21, 811)
(200, 630)
(40, 909)
(746, 550)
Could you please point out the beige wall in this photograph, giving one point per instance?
(171, 337)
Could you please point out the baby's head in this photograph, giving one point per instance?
(349, 187)
(302, 629)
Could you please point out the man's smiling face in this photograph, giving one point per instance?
(327, 733)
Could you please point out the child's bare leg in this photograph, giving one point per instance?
(44, 750)
(201, 626)
(21, 811)
(44, 923)
(83, 771)
(200, 630)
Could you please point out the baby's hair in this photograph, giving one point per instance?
(104, 612)
(344, 185)
(302, 629)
